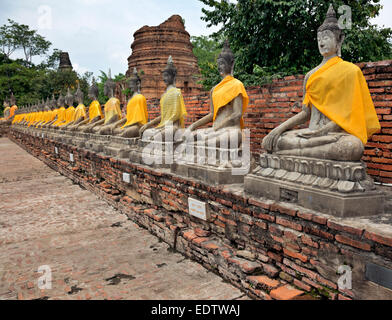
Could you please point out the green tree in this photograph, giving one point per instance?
(17, 36)
(206, 51)
(272, 37)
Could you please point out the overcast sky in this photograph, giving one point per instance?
(98, 33)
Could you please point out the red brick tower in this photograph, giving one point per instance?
(152, 47)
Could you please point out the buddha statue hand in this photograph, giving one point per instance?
(142, 129)
(270, 141)
(311, 134)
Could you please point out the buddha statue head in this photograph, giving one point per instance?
(12, 99)
(93, 91)
(225, 60)
(47, 104)
(109, 86)
(69, 98)
(79, 95)
(170, 72)
(329, 35)
(134, 82)
(6, 104)
(60, 101)
(53, 102)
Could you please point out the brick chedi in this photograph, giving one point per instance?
(150, 50)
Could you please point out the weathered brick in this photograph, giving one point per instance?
(286, 292)
(295, 255)
(353, 243)
(387, 241)
(283, 210)
(345, 228)
(288, 224)
(263, 282)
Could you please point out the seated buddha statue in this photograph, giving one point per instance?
(53, 112)
(337, 102)
(228, 103)
(112, 110)
(173, 110)
(45, 113)
(13, 108)
(80, 111)
(94, 111)
(137, 114)
(60, 113)
(6, 111)
(69, 112)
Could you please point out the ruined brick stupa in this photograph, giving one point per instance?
(152, 47)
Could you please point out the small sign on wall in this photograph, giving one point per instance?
(126, 177)
(198, 209)
(56, 150)
(71, 157)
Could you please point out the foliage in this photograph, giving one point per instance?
(206, 51)
(17, 36)
(279, 37)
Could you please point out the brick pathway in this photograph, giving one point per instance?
(93, 251)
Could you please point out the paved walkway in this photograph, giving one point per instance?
(92, 250)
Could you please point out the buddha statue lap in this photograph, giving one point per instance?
(319, 167)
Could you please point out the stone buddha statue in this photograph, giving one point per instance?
(319, 167)
(43, 113)
(60, 113)
(6, 111)
(337, 102)
(137, 114)
(173, 110)
(13, 107)
(228, 102)
(112, 110)
(53, 112)
(69, 112)
(80, 111)
(94, 111)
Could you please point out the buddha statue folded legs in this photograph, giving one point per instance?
(320, 165)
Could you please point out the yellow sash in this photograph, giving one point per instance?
(95, 110)
(136, 111)
(112, 108)
(339, 91)
(80, 112)
(60, 116)
(227, 90)
(172, 107)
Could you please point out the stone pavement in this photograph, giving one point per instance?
(92, 250)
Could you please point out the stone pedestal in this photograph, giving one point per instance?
(210, 164)
(97, 142)
(156, 154)
(120, 147)
(342, 189)
(80, 139)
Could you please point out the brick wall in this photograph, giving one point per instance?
(270, 250)
(272, 104)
